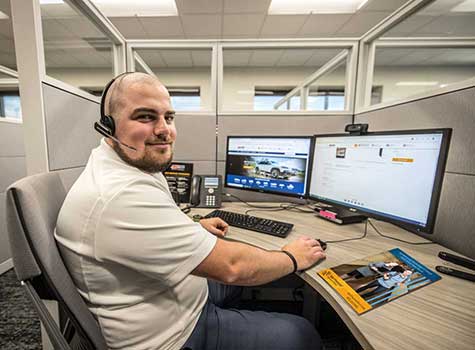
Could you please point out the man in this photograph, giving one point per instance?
(385, 283)
(142, 265)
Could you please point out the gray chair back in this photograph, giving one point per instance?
(33, 204)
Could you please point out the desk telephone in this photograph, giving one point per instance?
(206, 191)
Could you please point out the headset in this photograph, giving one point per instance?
(106, 125)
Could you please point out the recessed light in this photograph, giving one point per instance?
(295, 7)
(141, 8)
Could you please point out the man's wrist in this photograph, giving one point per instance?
(292, 258)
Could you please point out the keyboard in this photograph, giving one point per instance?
(253, 223)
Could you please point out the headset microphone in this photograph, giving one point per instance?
(103, 131)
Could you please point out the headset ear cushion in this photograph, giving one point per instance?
(109, 123)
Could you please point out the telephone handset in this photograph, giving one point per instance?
(206, 191)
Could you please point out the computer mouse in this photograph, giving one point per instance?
(323, 244)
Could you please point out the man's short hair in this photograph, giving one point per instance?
(114, 101)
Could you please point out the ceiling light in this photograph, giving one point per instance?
(49, 2)
(417, 83)
(141, 8)
(466, 6)
(294, 7)
(3, 15)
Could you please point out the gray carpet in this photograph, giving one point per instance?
(19, 323)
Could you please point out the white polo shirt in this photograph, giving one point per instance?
(130, 252)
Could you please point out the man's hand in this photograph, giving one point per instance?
(306, 251)
(216, 226)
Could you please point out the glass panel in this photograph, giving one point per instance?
(186, 73)
(76, 52)
(256, 79)
(328, 92)
(7, 46)
(403, 72)
(442, 18)
(10, 105)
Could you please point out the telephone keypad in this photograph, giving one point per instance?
(211, 201)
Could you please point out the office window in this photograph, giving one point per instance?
(10, 105)
(266, 98)
(185, 98)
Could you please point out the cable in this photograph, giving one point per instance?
(282, 206)
(261, 209)
(249, 204)
(397, 239)
(353, 239)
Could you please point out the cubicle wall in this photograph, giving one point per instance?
(283, 125)
(455, 225)
(196, 142)
(13, 165)
(71, 137)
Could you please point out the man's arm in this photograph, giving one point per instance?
(241, 264)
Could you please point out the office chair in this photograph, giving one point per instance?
(33, 204)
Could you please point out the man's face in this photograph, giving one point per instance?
(146, 122)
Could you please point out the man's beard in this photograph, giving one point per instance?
(147, 163)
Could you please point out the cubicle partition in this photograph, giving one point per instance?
(455, 222)
(12, 163)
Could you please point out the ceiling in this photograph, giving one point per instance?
(72, 41)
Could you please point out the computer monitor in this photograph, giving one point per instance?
(394, 176)
(268, 164)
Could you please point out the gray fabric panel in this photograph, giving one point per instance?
(4, 246)
(40, 198)
(13, 168)
(196, 138)
(277, 125)
(69, 176)
(11, 140)
(69, 128)
(455, 224)
(251, 196)
(453, 110)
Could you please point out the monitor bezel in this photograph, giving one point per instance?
(436, 189)
(309, 163)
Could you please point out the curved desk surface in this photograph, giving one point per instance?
(438, 316)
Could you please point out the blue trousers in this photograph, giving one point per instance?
(222, 327)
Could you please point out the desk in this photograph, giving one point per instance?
(438, 316)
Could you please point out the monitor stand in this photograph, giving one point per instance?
(339, 216)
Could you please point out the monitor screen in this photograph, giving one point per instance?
(394, 176)
(268, 164)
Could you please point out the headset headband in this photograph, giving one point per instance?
(106, 90)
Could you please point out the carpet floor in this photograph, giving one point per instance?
(19, 323)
